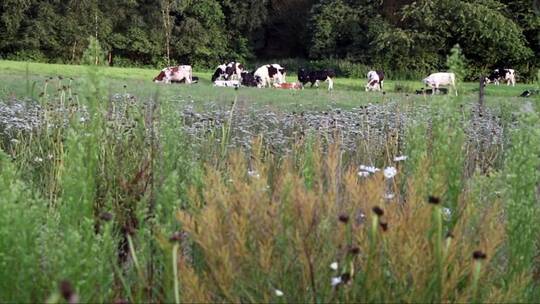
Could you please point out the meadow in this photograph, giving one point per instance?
(116, 189)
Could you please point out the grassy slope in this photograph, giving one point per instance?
(18, 78)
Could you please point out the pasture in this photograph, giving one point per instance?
(116, 189)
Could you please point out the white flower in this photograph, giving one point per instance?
(369, 169)
(335, 281)
(389, 196)
(363, 174)
(82, 119)
(253, 173)
(447, 213)
(390, 172)
(400, 158)
(278, 293)
(15, 141)
(38, 159)
(334, 266)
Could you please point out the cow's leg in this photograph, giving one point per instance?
(330, 83)
(381, 86)
(317, 83)
(434, 89)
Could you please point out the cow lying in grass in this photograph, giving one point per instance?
(270, 74)
(175, 74)
(441, 91)
(314, 77)
(227, 83)
(231, 71)
(289, 85)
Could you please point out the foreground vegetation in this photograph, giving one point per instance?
(110, 198)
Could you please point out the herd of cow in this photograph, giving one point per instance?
(235, 75)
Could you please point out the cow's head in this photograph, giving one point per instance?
(159, 77)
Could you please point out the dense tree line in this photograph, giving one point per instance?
(391, 34)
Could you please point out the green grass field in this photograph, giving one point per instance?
(27, 79)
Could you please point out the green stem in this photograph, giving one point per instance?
(175, 272)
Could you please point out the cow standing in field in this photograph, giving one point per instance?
(375, 81)
(270, 74)
(181, 73)
(314, 77)
(231, 71)
(508, 75)
(437, 80)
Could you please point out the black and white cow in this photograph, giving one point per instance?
(314, 77)
(508, 75)
(175, 74)
(248, 79)
(270, 74)
(375, 81)
(230, 71)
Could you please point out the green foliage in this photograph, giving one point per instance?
(93, 55)
(456, 63)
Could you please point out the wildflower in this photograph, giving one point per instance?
(369, 169)
(38, 159)
(278, 293)
(82, 119)
(400, 158)
(447, 213)
(334, 266)
(389, 196)
(176, 237)
(253, 173)
(363, 174)
(15, 141)
(390, 172)
(434, 200)
(335, 281)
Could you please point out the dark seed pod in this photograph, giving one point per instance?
(106, 216)
(344, 218)
(378, 211)
(434, 200)
(354, 250)
(176, 237)
(384, 226)
(479, 255)
(66, 289)
(345, 277)
(450, 235)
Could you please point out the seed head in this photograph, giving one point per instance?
(434, 200)
(384, 226)
(176, 237)
(479, 255)
(66, 290)
(378, 211)
(345, 277)
(106, 216)
(344, 218)
(354, 250)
